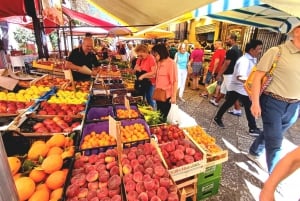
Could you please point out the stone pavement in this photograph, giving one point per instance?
(241, 178)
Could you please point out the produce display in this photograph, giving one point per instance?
(51, 81)
(180, 152)
(62, 109)
(24, 95)
(12, 107)
(69, 97)
(95, 177)
(126, 114)
(133, 131)
(214, 152)
(79, 85)
(152, 117)
(41, 174)
(55, 124)
(93, 140)
(90, 167)
(145, 178)
(165, 133)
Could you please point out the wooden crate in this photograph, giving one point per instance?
(187, 188)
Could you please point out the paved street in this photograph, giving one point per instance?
(241, 178)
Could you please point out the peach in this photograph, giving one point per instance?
(109, 159)
(127, 169)
(143, 196)
(114, 182)
(92, 176)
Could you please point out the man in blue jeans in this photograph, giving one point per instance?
(278, 105)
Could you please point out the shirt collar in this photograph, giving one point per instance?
(291, 47)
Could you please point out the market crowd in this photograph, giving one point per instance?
(163, 70)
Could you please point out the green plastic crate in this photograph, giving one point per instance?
(210, 173)
(208, 188)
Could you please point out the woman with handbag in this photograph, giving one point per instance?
(166, 79)
(145, 69)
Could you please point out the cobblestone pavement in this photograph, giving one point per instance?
(241, 179)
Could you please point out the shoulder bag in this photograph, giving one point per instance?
(158, 93)
(266, 80)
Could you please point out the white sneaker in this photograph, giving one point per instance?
(256, 160)
(213, 101)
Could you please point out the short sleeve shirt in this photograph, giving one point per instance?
(78, 58)
(286, 75)
(242, 68)
(182, 60)
(166, 75)
(146, 64)
(218, 54)
(197, 55)
(232, 54)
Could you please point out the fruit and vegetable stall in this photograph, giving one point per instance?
(96, 141)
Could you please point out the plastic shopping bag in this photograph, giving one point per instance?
(212, 87)
(173, 115)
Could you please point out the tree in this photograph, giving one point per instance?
(23, 36)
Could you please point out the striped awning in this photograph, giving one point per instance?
(251, 13)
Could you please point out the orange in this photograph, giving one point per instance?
(42, 186)
(25, 187)
(56, 194)
(56, 180)
(56, 140)
(40, 195)
(14, 164)
(52, 163)
(55, 150)
(69, 152)
(37, 150)
(37, 175)
(17, 176)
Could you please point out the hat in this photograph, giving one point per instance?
(290, 33)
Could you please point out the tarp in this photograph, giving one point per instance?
(251, 13)
(154, 12)
(12, 8)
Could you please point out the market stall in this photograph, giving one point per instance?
(96, 140)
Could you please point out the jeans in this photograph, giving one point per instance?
(231, 97)
(149, 94)
(277, 117)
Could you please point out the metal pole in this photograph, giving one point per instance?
(8, 189)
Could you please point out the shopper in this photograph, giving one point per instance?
(285, 167)
(182, 60)
(145, 69)
(82, 57)
(278, 105)
(215, 65)
(225, 73)
(172, 50)
(166, 77)
(236, 90)
(196, 61)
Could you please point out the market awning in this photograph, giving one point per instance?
(12, 8)
(289, 6)
(154, 12)
(251, 13)
(89, 19)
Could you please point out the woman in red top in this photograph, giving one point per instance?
(196, 61)
(145, 69)
(166, 77)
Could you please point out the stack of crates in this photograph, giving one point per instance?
(209, 181)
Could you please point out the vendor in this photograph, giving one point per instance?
(81, 61)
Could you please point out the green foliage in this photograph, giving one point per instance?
(54, 40)
(22, 36)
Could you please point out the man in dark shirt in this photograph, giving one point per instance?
(232, 55)
(81, 61)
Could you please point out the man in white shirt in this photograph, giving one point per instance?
(236, 89)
